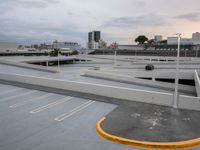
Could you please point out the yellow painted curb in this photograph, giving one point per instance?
(144, 144)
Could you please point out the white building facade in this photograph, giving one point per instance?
(158, 38)
(174, 41)
(66, 45)
(196, 38)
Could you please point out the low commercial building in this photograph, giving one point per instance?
(8, 46)
(195, 40)
(66, 45)
(174, 41)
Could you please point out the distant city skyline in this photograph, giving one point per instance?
(37, 21)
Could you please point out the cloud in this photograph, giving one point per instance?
(37, 32)
(136, 21)
(195, 17)
(139, 2)
(41, 20)
(29, 3)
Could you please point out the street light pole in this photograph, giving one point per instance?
(58, 62)
(175, 103)
(115, 58)
(196, 51)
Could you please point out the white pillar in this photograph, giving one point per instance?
(175, 104)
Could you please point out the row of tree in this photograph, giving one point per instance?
(55, 52)
(142, 39)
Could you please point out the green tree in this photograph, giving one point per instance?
(151, 41)
(75, 52)
(163, 42)
(54, 53)
(141, 39)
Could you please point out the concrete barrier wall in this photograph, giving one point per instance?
(159, 66)
(131, 58)
(29, 66)
(197, 82)
(167, 74)
(96, 89)
(185, 102)
(130, 79)
(189, 102)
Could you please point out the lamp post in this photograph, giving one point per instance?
(115, 58)
(58, 62)
(175, 103)
(197, 48)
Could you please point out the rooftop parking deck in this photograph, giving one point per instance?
(36, 118)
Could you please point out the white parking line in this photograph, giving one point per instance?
(10, 91)
(15, 96)
(50, 105)
(73, 111)
(47, 75)
(3, 86)
(33, 99)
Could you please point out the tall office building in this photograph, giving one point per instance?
(97, 36)
(90, 37)
(94, 39)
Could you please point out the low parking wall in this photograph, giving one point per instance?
(132, 80)
(197, 83)
(29, 66)
(96, 89)
(189, 102)
(158, 98)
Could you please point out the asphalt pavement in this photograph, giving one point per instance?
(38, 120)
(152, 123)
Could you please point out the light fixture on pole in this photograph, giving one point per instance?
(175, 102)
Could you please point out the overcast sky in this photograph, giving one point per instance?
(37, 21)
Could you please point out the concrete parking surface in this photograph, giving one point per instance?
(37, 120)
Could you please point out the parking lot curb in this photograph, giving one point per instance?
(145, 144)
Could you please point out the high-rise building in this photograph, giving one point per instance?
(90, 37)
(94, 39)
(97, 36)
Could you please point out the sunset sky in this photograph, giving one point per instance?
(37, 21)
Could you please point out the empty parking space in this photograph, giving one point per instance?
(8, 91)
(41, 120)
